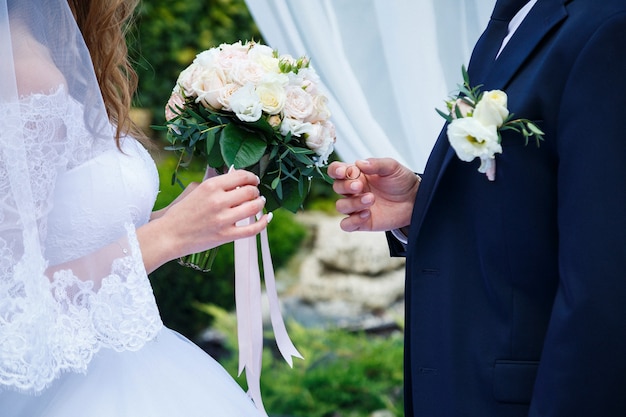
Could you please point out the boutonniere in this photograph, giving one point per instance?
(477, 119)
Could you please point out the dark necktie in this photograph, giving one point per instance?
(488, 45)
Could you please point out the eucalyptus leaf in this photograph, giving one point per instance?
(274, 183)
(210, 136)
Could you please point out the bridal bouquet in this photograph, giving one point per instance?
(246, 106)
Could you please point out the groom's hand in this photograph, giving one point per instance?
(378, 194)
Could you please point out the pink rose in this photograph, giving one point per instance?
(175, 103)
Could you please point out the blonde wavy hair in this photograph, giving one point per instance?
(104, 25)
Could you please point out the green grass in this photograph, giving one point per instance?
(343, 374)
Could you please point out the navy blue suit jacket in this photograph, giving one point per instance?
(516, 288)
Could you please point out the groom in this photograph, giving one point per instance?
(516, 287)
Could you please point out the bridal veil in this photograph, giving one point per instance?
(70, 282)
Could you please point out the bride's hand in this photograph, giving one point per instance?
(378, 194)
(204, 217)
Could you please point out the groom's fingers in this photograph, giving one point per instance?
(357, 221)
(351, 205)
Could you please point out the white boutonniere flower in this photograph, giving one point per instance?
(476, 120)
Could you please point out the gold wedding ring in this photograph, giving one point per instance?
(353, 172)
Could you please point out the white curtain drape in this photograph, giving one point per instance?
(386, 64)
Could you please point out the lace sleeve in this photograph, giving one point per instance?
(72, 279)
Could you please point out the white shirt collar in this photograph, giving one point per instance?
(516, 22)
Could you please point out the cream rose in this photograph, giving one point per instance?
(247, 71)
(320, 111)
(492, 108)
(299, 104)
(187, 77)
(229, 56)
(321, 140)
(272, 97)
(208, 86)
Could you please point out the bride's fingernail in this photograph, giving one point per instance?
(270, 216)
(364, 214)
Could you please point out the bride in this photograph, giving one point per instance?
(80, 333)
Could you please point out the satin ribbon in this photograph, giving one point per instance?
(249, 311)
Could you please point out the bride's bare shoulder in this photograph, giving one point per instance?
(35, 71)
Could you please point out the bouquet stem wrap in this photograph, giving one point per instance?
(249, 310)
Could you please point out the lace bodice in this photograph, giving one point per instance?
(72, 278)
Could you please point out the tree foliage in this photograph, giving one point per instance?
(168, 34)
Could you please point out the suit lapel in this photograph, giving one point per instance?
(543, 17)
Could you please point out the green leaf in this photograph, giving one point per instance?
(533, 128)
(279, 190)
(275, 183)
(214, 156)
(263, 126)
(291, 198)
(210, 136)
(241, 147)
(445, 115)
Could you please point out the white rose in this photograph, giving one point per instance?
(299, 104)
(263, 55)
(491, 109)
(295, 127)
(472, 139)
(321, 140)
(207, 59)
(245, 103)
(272, 96)
(277, 78)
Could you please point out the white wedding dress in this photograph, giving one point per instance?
(101, 349)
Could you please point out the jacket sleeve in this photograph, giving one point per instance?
(582, 370)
